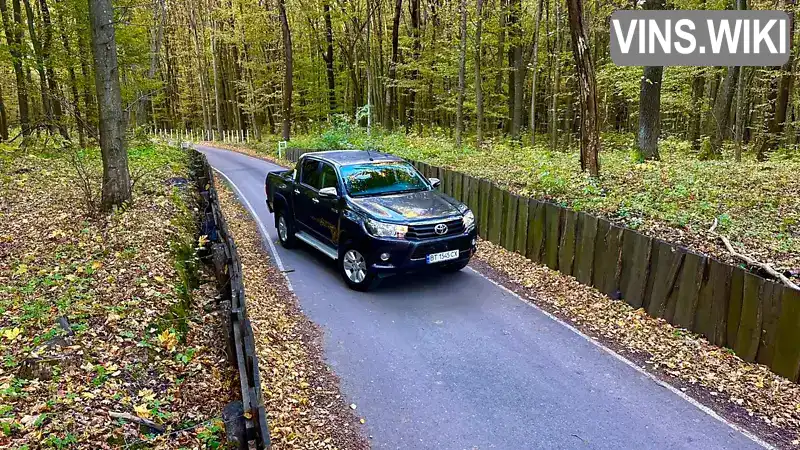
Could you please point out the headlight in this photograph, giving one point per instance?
(380, 229)
(469, 221)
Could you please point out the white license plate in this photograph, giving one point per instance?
(443, 256)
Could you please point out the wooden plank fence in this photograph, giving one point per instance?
(237, 328)
(757, 318)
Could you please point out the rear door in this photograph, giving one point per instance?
(305, 190)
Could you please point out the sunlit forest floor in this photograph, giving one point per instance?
(755, 204)
(97, 311)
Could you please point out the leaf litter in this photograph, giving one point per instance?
(746, 393)
(88, 312)
(305, 408)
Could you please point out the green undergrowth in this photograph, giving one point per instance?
(757, 204)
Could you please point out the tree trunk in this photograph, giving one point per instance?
(556, 81)
(14, 39)
(3, 118)
(501, 52)
(43, 85)
(535, 70)
(116, 178)
(391, 89)
(741, 113)
(519, 70)
(217, 79)
(722, 109)
(741, 102)
(696, 119)
(478, 79)
(86, 74)
(73, 83)
(650, 103)
(462, 61)
(785, 83)
(52, 82)
(145, 104)
(287, 80)
(650, 113)
(778, 96)
(415, 54)
(328, 57)
(587, 89)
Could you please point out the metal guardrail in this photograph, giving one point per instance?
(236, 324)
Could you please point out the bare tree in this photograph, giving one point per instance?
(587, 89)
(13, 33)
(116, 177)
(462, 62)
(556, 80)
(287, 80)
(535, 69)
(328, 57)
(388, 115)
(518, 71)
(478, 79)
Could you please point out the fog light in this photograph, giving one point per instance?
(384, 256)
(473, 242)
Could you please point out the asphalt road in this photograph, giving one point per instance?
(456, 362)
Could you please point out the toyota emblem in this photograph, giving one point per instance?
(440, 229)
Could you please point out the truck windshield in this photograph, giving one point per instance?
(382, 179)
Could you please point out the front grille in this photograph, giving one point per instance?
(427, 231)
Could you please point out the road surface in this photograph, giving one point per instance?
(456, 362)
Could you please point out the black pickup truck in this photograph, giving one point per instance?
(373, 213)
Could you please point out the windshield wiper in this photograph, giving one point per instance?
(402, 191)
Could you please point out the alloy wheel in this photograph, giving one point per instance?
(283, 229)
(355, 268)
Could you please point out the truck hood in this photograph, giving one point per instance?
(408, 207)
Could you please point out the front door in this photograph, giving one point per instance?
(325, 211)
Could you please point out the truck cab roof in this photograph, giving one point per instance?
(350, 157)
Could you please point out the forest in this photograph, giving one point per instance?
(483, 69)
(514, 88)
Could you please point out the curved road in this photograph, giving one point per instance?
(456, 362)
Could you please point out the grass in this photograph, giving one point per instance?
(756, 204)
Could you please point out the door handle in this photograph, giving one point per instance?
(296, 191)
(315, 200)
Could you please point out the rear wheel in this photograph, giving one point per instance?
(454, 267)
(355, 270)
(285, 228)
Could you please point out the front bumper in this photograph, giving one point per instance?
(410, 255)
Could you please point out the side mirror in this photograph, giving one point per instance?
(328, 192)
(435, 182)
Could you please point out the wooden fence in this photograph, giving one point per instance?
(236, 324)
(732, 307)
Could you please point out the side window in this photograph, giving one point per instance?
(310, 173)
(328, 177)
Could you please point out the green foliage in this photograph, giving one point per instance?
(211, 435)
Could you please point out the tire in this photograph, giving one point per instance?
(285, 226)
(355, 270)
(454, 267)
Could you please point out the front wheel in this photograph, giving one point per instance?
(355, 270)
(285, 228)
(454, 267)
